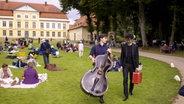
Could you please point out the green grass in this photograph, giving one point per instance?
(63, 87)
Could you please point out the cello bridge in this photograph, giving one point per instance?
(100, 72)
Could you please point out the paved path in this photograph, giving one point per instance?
(178, 62)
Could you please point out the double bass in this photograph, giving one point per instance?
(95, 82)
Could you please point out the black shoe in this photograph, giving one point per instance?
(101, 100)
(125, 98)
(130, 93)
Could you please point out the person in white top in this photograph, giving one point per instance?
(80, 48)
(6, 76)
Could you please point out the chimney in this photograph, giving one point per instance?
(45, 3)
(6, 1)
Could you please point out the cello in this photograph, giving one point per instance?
(95, 82)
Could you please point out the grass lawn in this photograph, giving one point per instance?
(63, 87)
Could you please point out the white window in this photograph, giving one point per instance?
(19, 24)
(34, 33)
(48, 25)
(59, 26)
(48, 34)
(19, 33)
(4, 32)
(59, 34)
(33, 16)
(11, 33)
(53, 25)
(34, 25)
(10, 23)
(42, 34)
(64, 26)
(89, 36)
(41, 25)
(64, 34)
(26, 25)
(26, 34)
(26, 16)
(4, 23)
(18, 16)
(53, 34)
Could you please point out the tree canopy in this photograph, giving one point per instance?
(147, 19)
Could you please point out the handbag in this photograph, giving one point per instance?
(137, 77)
(48, 50)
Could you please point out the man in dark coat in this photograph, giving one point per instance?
(129, 60)
(45, 49)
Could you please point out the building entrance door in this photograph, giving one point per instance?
(26, 34)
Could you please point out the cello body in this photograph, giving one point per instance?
(95, 82)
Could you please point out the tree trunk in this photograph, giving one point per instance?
(142, 24)
(173, 24)
(90, 26)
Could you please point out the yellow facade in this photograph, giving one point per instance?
(27, 23)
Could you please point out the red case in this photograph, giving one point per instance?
(137, 77)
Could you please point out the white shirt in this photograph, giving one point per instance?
(80, 47)
(2, 73)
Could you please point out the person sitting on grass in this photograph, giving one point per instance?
(6, 76)
(53, 50)
(165, 48)
(30, 75)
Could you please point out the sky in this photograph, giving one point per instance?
(72, 15)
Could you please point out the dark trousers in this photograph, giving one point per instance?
(46, 59)
(128, 68)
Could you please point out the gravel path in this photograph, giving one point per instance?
(178, 62)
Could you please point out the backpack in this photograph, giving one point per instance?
(48, 51)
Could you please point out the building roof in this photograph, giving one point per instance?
(53, 15)
(48, 9)
(6, 13)
(81, 22)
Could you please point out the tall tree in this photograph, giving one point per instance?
(173, 24)
(142, 24)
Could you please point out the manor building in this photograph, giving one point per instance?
(31, 20)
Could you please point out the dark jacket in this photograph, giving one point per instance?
(135, 55)
(44, 46)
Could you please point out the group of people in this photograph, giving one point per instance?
(129, 60)
(30, 76)
(168, 49)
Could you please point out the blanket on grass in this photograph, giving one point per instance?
(42, 78)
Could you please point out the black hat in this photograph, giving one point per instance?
(129, 36)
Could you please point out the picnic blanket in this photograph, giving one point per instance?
(42, 78)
